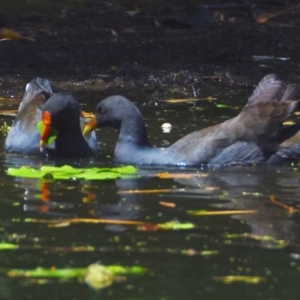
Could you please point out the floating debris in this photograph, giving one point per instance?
(96, 275)
(4, 129)
(10, 34)
(166, 127)
(245, 279)
(209, 98)
(218, 212)
(266, 58)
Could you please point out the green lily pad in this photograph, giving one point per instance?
(48, 273)
(8, 246)
(176, 226)
(221, 105)
(133, 270)
(74, 272)
(67, 172)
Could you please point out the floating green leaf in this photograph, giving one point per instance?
(221, 105)
(68, 172)
(245, 279)
(4, 129)
(176, 226)
(8, 246)
(270, 241)
(134, 270)
(220, 212)
(48, 273)
(76, 272)
(53, 133)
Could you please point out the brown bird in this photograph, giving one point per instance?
(23, 136)
(252, 136)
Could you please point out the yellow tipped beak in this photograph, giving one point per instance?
(43, 144)
(90, 126)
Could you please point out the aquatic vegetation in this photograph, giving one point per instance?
(67, 172)
(96, 275)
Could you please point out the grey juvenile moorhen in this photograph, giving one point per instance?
(23, 136)
(63, 114)
(252, 136)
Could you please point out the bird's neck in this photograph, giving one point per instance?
(71, 143)
(133, 131)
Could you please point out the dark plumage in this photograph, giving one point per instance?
(252, 136)
(24, 138)
(65, 119)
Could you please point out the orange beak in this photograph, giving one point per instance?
(90, 126)
(46, 119)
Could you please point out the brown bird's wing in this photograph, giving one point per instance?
(260, 124)
(290, 92)
(270, 89)
(289, 139)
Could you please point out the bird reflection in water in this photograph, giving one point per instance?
(252, 189)
(236, 188)
(41, 198)
(119, 207)
(42, 195)
(76, 198)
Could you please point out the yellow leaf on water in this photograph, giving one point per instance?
(8, 98)
(167, 204)
(10, 34)
(278, 244)
(264, 18)
(66, 222)
(9, 112)
(245, 279)
(289, 123)
(288, 208)
(145, 191)
(167, 175)
(220, 213)
(209, 98)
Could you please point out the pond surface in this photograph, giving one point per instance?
(257, 236)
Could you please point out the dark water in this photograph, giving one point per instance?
(265, 245)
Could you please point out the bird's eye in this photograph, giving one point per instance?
(100, 110)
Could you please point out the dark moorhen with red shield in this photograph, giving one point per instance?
(59, 111)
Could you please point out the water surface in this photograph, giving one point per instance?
(182, 264)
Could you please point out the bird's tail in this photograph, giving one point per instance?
(35, 87)
(271, 89)
(264, 122)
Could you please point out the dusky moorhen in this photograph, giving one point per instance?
(252, 136)
(24, 138)
(61, 112)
